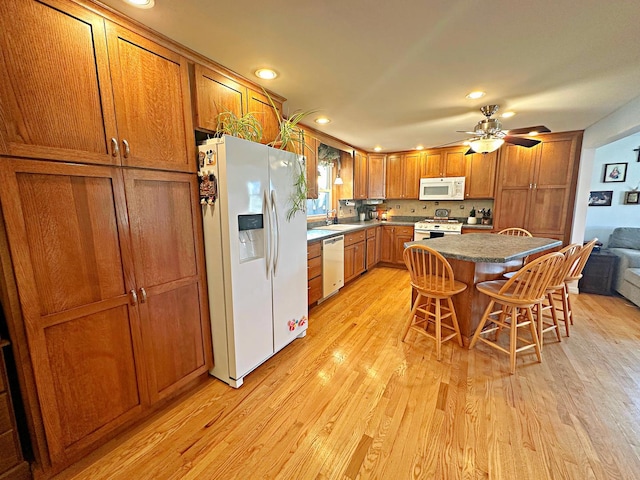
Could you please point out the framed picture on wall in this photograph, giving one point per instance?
(631, 198)
(615, 172)
(600, 198)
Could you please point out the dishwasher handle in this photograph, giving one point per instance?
(330, 241)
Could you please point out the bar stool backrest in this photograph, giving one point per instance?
(429, 270)
(530, 283)
(575, 272)
(516, 232)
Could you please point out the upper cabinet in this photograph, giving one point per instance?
(536, 186)
(74, 89)
(480, 175)
(403, 175)
(376, 169)
(153, 110)
(444, 162)
(360, 176)
(215, 92)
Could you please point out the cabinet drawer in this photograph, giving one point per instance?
(371, 232)
(404, 231)
(355, 237)
(314, 267)
(314, 290)
(10, 456)
(314, 250)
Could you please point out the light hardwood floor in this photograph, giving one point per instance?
(352, 401)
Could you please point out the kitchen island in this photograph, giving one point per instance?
(480, 257)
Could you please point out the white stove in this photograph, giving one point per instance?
(438, 226)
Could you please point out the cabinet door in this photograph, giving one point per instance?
(360, 176)
(55, 87)
(259, 105)
(215, 93)
(152, 98)
(511, 208)
(455, 162)
(516, 166)
(349, 262)
(359, 258)
(69, 240)
(168, 258)
(394, 176)
(481, 175)
(376, 171)
(432, 164)
(411, 176)
(378, 244)
(553, 186)
(387, 244)
(399, 241)
(371, 252)
(311, 154)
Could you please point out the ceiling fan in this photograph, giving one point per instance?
(489, 136)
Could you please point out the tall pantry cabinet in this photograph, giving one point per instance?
(101, 224)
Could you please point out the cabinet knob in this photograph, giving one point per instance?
(127, 150)
(143, 294)
(114, 147)
(134, 297)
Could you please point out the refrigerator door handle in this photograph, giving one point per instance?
(276, 232)
(267, 237)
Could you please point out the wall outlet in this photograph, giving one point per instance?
(398, 207)
(461, 207)
(413, 210)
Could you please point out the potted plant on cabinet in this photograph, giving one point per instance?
(472, 220)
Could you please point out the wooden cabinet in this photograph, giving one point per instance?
(215, 92)
(481, 175)
(311, 164)
(354, 254)
(360, 176)
(12, 464)
(536, 186)
(345, 191)
(444, 162)
(376, 175)
(78, 88)
(393, 239)
(108, 269)
(403, 176)
(373, 246)
(314, 272)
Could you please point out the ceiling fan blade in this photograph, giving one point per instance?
(526, 130)
(469, 152)
(465, 131)
(523, 142)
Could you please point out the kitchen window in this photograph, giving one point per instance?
(317, 207)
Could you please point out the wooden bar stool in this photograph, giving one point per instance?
(516, 232)
(432, 277)
(573, 275)
(516, 298)
(571, 254)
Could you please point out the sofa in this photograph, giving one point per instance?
(625, 243)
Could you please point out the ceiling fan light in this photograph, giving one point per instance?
(486, 145)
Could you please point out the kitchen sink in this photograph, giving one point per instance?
(338, 227)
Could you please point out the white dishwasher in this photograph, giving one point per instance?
(332, 265)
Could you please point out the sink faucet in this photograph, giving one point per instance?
(330, 219)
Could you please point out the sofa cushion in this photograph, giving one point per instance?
(625, 237)
(632, 275)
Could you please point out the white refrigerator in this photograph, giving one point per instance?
(256, 259)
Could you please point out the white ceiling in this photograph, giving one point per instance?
(396, 74)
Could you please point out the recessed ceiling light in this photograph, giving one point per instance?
(419, 147)
(474, 95)
(266, 73)
(508, 114)
(377, 149)
(141, 3)
(322, 120)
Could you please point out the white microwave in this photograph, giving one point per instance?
(442, 188)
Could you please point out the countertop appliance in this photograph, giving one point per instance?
(438, 226)
(442, 188)
(256, 259)
(332, 265)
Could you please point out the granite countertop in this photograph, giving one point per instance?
(488, 247)
(323, 232)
